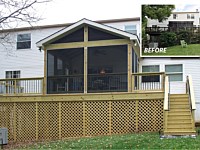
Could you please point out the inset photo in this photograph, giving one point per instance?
(170, 30)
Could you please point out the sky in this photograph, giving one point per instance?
(68, 11)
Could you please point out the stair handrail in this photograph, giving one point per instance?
(190, 92)
(166, 94)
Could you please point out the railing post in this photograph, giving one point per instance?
(15, 86)
(133, 82)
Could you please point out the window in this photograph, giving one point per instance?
(188, 16)
(152, 68)
(175, 16)
(13, 75)
(131, 29)
(175, 72)
(24, 41)
(192, 16)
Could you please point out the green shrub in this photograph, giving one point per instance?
(168, 39)
(184, 35)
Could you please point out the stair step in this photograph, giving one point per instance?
(178, 95)
(184, 117)
(179, 126)
(179, 99)
(180, 106)
(169, 132)
(186, 121)
(179, 114)
(179, 103)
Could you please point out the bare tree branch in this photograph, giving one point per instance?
(14, 13)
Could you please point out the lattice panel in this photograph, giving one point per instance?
(7, 118)
(97, 118)
(48, 120)
(123, 117)
(25, 121)
(72, 119)
(150, 115)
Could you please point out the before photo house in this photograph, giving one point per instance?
(164, 27)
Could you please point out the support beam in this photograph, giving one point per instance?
(87, 43)
(85, 58)
(129, 68)
(45, 73)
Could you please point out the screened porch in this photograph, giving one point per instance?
(107, 69)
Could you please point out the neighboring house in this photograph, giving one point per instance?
(177, 22)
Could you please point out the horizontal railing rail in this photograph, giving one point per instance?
(109, 82)
(152, 81)
(190, 92)
(15, 86)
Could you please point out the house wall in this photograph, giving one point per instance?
(190, 67)
(121, 25)
(180, 17)
(31, 61)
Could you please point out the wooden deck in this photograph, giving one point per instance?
(47, 117)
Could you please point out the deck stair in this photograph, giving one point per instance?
(179, 120)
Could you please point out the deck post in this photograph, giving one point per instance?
(129, 67)
(84, 120)
(85, 57)
(110, 117)
(36, 120)
(15, 123)
(136, 114)
(60, 119)
(45, 72)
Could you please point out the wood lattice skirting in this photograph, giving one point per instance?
(79, 118)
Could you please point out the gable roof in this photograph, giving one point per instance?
(91, 23)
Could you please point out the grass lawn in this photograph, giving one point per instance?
(190, 50)
(129, 141)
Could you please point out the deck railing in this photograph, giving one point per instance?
(190, 92)
(21, 86)
(65, 84)
(153, 81)
(109, 82)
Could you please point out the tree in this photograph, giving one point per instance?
(160, 12)
(14, 13)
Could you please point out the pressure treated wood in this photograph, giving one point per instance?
(58, 117)
(179, 120)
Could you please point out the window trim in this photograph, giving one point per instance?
(24, 41)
